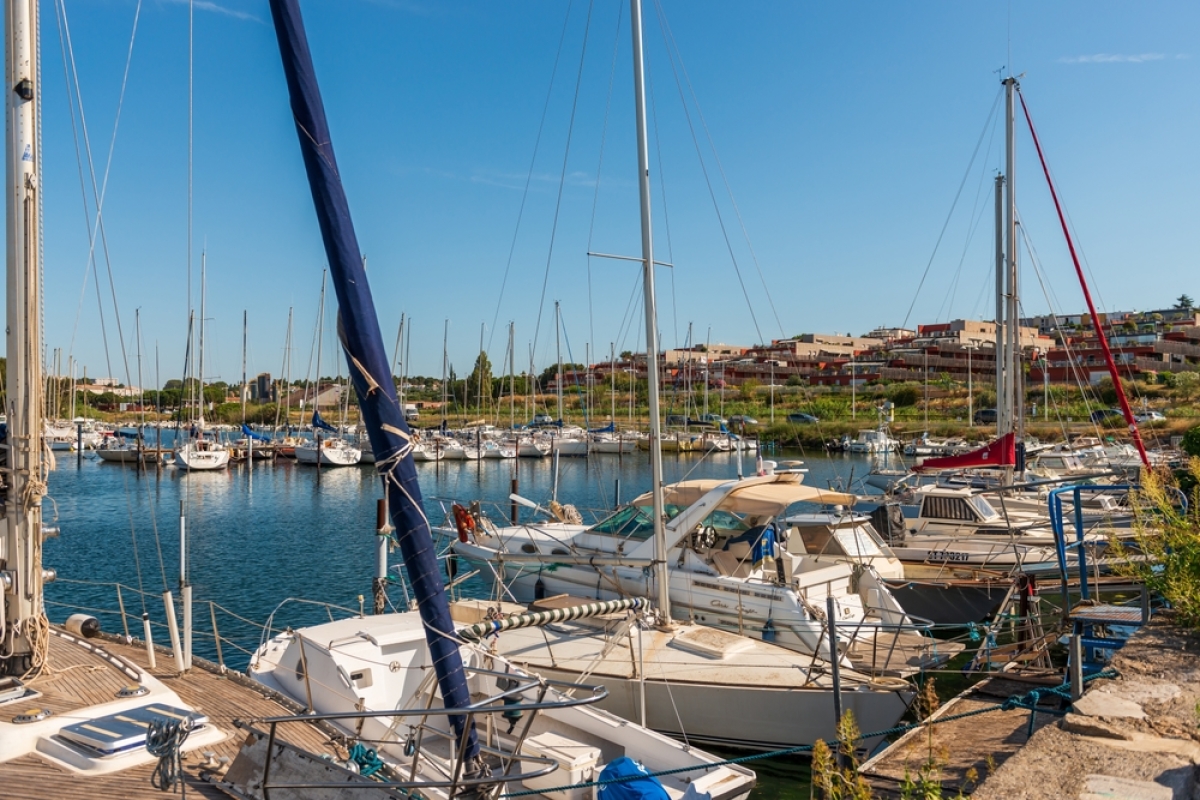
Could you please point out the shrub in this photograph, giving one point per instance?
(904, 396)
(1191, 442)
(1169, 538)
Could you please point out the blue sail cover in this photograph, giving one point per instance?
(249, 434)
(370, 369)
(319, 423)
(609, 428)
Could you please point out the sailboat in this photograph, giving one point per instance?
(685, 678)
(325, 451)
(372, 675)
(200, 453)
(714, 561)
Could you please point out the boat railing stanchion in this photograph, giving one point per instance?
(148, 635)
(834, 663)
(212, 613)
(173, 629)
(379, 584)
(124, 619)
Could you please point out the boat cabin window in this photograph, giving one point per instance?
(953, 508)
(844, 539)
(632, 522)
(858, 540)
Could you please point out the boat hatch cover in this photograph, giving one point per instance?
(125, 730)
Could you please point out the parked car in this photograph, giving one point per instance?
(742, 419)
(542, 419)
(985, 416)
(1150, 416)
(1102, 415)
(712, 419)
(799, 418)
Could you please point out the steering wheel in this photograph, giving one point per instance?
(705, 538)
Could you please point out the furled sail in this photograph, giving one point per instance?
(1000, 453)
(370, 369)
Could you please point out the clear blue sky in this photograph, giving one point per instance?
(843, 130)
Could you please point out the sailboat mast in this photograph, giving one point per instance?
(558, 357)
(1013, 388)
(1002, 423)
(512, 377)
(20, 547)
(245, 322)
(203, 265)
(656, 468)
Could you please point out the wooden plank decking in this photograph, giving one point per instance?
(79, 678)
(980, 743)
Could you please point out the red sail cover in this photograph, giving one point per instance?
(1000, 453)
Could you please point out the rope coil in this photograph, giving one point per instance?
(164, 740)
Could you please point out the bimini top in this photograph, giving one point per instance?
(763, 496)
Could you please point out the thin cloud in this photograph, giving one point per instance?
(1114, 58)
(208, 5)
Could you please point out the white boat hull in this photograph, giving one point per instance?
(330, 454)
(194, 460)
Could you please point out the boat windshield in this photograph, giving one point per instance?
(986, 510)
(632, 522)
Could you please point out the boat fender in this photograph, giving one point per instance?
(83, 625)
(768, 630)
(539, 589)
(464, 522)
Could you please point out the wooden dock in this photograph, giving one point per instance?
(979, 743)
(82, 677)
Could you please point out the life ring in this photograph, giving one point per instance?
(464, 522)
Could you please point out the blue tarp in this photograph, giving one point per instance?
(317, 422)
(761, 538)
(609, 428)
(252, 435)
(641, 787)
(370, 368)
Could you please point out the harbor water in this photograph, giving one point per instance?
(277, 538)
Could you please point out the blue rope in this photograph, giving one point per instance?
(368, 760)
(164, 740)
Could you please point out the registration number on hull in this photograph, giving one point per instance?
(947, 555)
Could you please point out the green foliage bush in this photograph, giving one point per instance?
(1169, 538)
(904, 396)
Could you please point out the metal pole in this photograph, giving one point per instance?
(1013, 383)
(835, 658)
(1002, 421)
(379, 585)
(212, 611)
(656, 467)
(970, 391)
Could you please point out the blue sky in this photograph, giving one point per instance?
(842, 132)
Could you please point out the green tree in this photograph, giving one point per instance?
(479, 382)
(1184, 303)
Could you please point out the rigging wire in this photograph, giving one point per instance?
(665, 26)
(562, 178)
(704, 170)
(612, 70)
(529, 175)
(662, 189)
(953, 206)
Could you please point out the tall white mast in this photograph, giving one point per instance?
(1002, 422)
(1013, 386)
(200, 368)
(21, 545)
(558, 357)
(662, 578)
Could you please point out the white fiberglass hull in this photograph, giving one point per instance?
(194, 460)
(329, 453)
